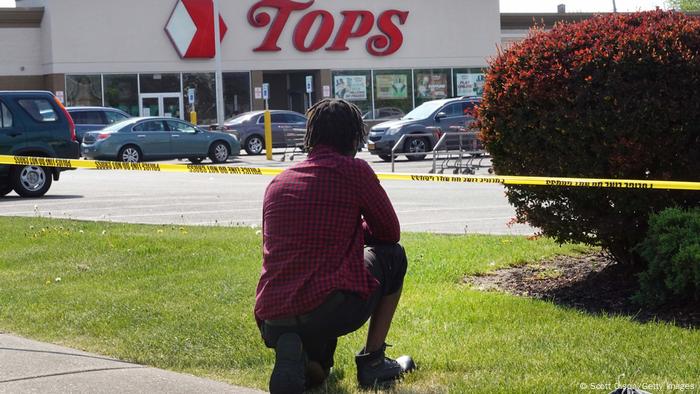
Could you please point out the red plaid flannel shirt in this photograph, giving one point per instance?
(317, 217)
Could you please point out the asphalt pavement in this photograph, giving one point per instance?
(228, 200)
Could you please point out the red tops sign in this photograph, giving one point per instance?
(191, 28)
(386, 43)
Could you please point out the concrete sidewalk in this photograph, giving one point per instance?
(28, 366)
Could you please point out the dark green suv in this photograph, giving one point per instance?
(33, 123)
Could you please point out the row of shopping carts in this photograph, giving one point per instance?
(458, 150)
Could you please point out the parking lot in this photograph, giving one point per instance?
(206, 199)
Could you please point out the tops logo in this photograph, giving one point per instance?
(355, 24)
(191, 28)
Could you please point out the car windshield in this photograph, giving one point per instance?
(118, 126)
(240, 118)
(424, 110)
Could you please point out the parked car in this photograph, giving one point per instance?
(442, 114)
(158, 138)
(33, 123)
(288, 127)
(94, 118)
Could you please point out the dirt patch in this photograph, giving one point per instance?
(591, 282)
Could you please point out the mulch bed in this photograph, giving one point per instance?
(591, 282)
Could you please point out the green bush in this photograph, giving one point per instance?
(672, 251)
(616, 96)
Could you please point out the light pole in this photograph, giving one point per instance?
(614, 6)
(217, 64)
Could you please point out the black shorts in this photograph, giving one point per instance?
(342, 312)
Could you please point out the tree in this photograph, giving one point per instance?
(684, 5)
(616, 97)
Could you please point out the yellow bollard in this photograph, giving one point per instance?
(193, 117)
(268, 135)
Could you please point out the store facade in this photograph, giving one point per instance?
(149, 58)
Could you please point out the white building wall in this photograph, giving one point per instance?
(47, 40)
(129, 36)
(20, 50)
(30, 3)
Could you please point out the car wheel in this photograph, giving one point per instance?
(130, 154)
(195, 160)
(5, 187)
(219, 152)
(254, 145)
(31, 181)
(416, 145)
(386, 157)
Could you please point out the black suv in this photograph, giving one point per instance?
(33, 123)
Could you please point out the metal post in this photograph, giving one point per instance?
(218, 66)
(461, 153)
(435, 148)
(393, 149)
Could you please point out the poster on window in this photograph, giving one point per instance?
(431, 86)
(350, 87)
(470, 84)
(392, 86)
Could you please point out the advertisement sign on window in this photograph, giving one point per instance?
(392, 86)
(350, 87)
(432, 86)
(470, 84)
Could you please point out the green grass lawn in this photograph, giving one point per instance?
(181, 298)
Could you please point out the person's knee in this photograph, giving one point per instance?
(396, 263)
(399, 260)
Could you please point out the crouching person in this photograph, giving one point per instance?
(319, 281)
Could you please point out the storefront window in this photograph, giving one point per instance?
(236, 94)
(122, 91)
(354, 86)
(469, 81)
(83, 90)
(432, 84)
(204, 86)
(160, 83)
(393, 89)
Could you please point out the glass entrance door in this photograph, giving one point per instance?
(171, 107)
(161, 104)
(150, 106)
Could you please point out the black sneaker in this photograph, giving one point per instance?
(288, 375)
(376, 370)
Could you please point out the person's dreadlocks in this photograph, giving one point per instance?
(336, 123)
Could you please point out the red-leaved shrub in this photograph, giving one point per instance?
(615, 96)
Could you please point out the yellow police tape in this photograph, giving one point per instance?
(209, 169)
